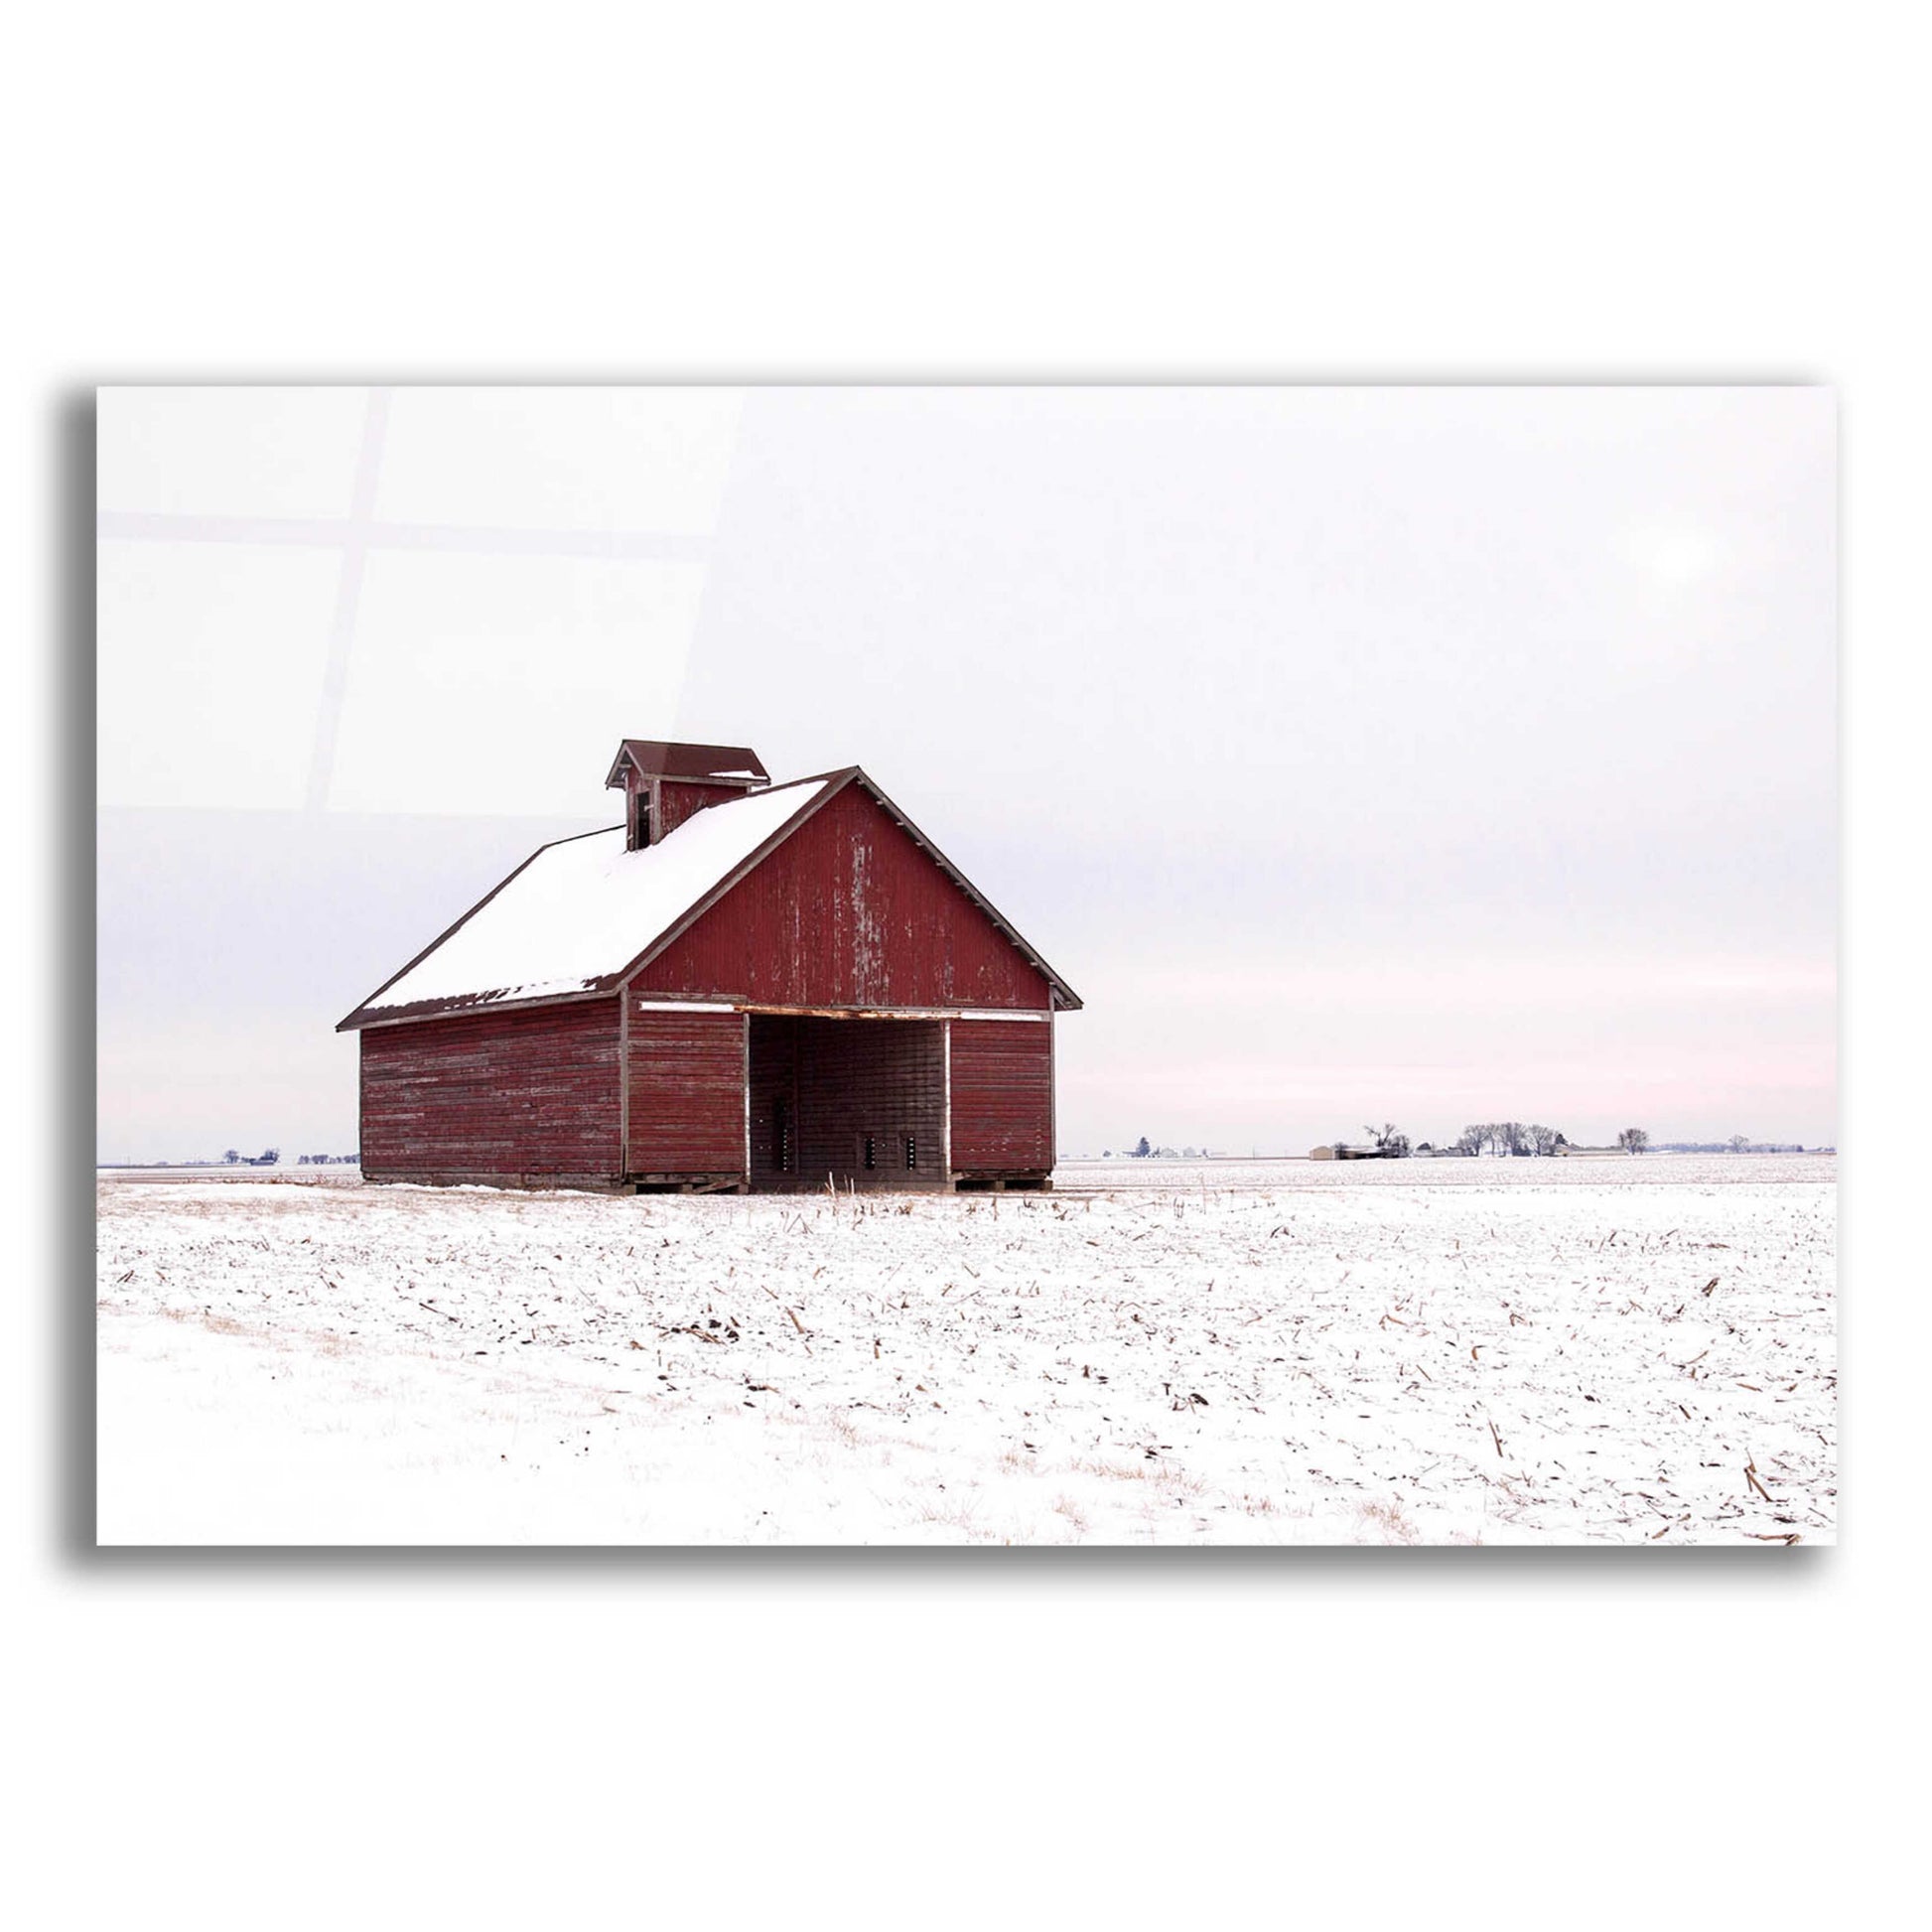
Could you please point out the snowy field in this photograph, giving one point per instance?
(1267, 1352)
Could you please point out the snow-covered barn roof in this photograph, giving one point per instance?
(580, 916)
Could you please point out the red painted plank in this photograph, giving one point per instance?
(687, 1092)
(1002, 1095)
(848, 911)
(532, 1092)
(676, 801)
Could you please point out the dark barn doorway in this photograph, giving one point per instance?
(858, 1100)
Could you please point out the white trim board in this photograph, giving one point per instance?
(646, 1004)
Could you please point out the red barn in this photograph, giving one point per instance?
(743, 986)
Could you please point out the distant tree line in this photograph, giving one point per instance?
(1529, 1139)
(1508, 1137)
(234, 1157)
(1515, 1137)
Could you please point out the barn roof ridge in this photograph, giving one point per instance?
(829, 785)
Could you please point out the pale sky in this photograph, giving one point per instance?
(1424, 755)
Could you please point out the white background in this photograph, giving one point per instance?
(1479, 192)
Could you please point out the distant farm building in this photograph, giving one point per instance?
(743, 986)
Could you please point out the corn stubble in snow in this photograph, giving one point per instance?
(1555, 1352)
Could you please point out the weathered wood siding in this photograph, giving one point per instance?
(528, 1095)
(848, 911)
(1003, 1095)
(678, 798)
(840, 1082)
(687, 1091)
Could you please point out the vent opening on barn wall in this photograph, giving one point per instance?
(743, 985)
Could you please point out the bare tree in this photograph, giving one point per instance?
(1633, 1140)
(1470, 1141)
(1543, 1139)
(1392, 1141)
(1738, 1143)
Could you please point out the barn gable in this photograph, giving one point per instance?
(853, 909)
(813, 893)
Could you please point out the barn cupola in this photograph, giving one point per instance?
(663, 785)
